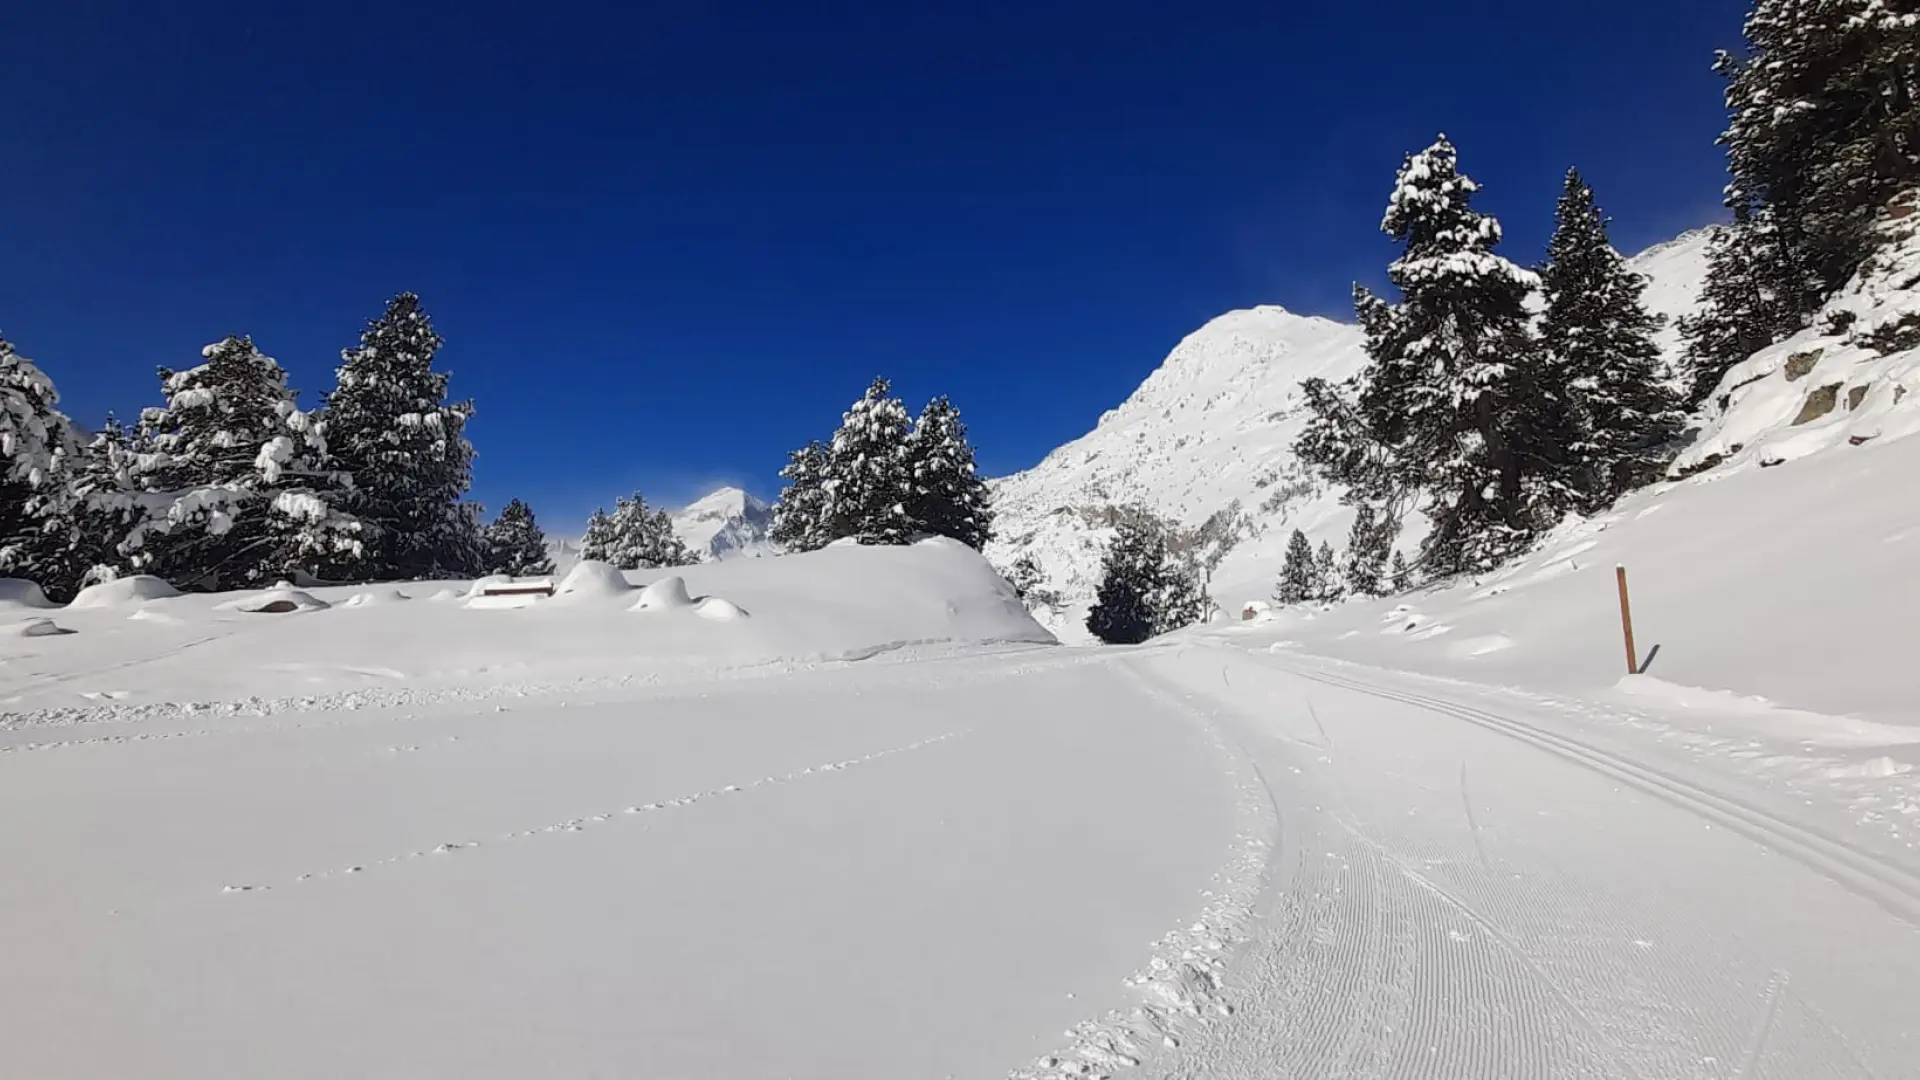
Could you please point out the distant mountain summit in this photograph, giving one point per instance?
(1206, 443)
(725, 524)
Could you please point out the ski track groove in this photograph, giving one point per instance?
(1891, 888)
(1370, 964)
(584, 822)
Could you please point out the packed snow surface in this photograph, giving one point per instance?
(881, 828)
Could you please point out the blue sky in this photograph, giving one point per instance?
(666, 243)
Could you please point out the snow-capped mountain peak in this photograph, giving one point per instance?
(1210, 435)
(725, 523)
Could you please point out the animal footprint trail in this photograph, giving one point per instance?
(581, 824)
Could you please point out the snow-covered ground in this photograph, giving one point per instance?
(852, 815)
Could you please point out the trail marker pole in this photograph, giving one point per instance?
(1626, 621)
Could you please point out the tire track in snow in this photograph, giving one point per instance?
(588, 821)
(1892, 888)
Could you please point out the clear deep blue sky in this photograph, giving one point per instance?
(666, 243)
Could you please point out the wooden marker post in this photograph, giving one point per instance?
(1626, 621)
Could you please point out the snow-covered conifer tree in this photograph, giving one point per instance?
(634, 537)
(948, 498)
(1753, 296)
(238, 488)
(598, 541)
(1328, 585)
(1823, 129)
(868, 486)
(798, 515)
(1602, 359)
(80, 542)
(1369, 546)
(1030, 584)
(37, 451)
(1298, 582)
(514, 543)
(1133, 580)
(1402, 576)
(1452, 403)
(389, 424)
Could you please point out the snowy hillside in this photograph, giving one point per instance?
(1851, 378)
(724, 523)
(1211, 432)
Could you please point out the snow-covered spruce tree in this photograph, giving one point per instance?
(236, 486)
(1297, 582)
(798, 515)
(80, 542)
(1452, 403)
(1601, 356)
(597, 542)
(634, 537)
(1030, 584)
(1401, 577)
(948, 496)
(1369, 546)
(1822, 131)
(1755, 293)
(389, 424)
(37, 452)
(1329, 586)
(1823, 125)
(514, 543)
(868, 486)
(1145, 588)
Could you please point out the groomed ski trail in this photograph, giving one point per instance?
(1465, 891)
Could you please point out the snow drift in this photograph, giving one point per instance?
(846, 603)
(123, 592)
(19, 593)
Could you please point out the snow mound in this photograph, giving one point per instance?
(282, 600)
(445, 595)
(840, 605)
(719, 610)
(34, 628)
(21, 593)
(376, 598)
(667, 594)
(120, 592)
(479, 587)
(592, 579)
